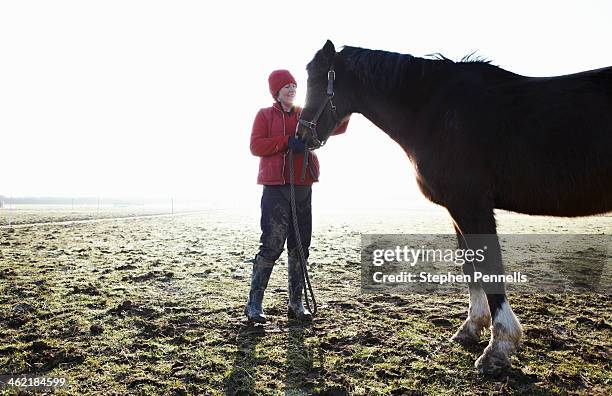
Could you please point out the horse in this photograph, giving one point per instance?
(480, 138)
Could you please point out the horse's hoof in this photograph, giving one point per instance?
(465, 337)
(492, 363)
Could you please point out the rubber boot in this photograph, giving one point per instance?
(262, 269)
(296, 285)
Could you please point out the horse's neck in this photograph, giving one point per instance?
(396, 115)
(382, 112)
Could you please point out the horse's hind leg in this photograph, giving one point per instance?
(478, 230)
(479, 316)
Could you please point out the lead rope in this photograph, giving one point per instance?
(307, 286)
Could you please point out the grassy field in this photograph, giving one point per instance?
(154, 306)
(28, 214)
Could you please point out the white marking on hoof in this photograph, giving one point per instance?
(506, 334)
(479, 319)
(493, 360)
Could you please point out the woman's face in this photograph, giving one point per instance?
(286, 95)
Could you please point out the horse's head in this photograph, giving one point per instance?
(325, 109)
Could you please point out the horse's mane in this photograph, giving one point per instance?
(392, 73)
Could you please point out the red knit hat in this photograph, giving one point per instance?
(278, 79)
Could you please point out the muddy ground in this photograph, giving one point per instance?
(154, 306)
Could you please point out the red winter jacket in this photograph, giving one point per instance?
(271, 131)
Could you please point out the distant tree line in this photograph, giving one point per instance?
(77, 201)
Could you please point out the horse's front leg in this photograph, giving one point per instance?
(506, 333)
(478, 320)
(478, 231)
(479, 316)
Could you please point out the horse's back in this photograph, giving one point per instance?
(548, 142)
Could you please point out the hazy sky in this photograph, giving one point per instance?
(149, 98)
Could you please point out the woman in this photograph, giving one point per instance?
(272, 136)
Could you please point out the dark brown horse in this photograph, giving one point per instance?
(480, 138)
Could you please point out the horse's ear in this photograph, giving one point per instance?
(328, 49)
(325, 56)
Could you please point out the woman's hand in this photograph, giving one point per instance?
(296, 144)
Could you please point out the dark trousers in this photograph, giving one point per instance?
(277, 220)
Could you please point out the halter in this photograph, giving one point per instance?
(312, 125)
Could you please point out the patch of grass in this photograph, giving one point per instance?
(96, 303)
